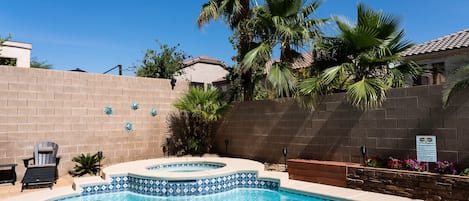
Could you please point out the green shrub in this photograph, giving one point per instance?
(376, 162)
(87, 164)
(465, 172)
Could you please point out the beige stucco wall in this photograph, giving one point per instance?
(20, 51)
(202, 73)
(68, 108)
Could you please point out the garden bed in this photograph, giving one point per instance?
(412, 184)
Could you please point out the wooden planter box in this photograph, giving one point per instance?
(323, 172)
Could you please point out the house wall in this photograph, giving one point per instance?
(68, 108)
(452, 59)
(202, 73)
(335, 131)
(20, 51)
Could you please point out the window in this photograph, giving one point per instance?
(438, 73)
(7, 61)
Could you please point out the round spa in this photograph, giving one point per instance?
(187, 167)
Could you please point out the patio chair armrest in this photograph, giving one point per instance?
(57, 160)
(26, 161)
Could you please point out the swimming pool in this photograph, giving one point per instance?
(219, 179)
(243, 194)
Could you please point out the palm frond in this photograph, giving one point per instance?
(209, 12)
(258, 55)
(367, 93)
(282, 80)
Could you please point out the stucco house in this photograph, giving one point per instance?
(15, 54)
(443, 55)
(204, 71)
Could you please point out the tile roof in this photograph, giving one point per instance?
(305, 61)
(204, 59)
(453, 41)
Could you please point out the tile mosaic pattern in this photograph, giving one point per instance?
(189, 165)
(160, 187)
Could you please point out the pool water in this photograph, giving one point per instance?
(241, 194)
(186, 167)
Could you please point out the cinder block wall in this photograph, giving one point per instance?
(68, 108)
(335, 130)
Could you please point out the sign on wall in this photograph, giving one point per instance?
(426, 148)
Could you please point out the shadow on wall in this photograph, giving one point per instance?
(336, 130)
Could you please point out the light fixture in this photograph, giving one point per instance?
(100, 156)
(227, 142)
(285, 152)
(363, 151)
(173, 83)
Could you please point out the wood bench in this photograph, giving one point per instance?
(323, 172)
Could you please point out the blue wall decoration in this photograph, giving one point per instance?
(128, 126)
(135, 106)
(153, 112)
(108, 110)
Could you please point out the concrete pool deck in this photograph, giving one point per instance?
(232, 165)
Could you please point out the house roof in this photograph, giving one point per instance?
(204, 59)
(306, 61)
(452, 41)
(16, 44)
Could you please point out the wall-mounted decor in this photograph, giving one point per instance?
(128, 126)
(108, 110)
(135, 106)
(153, 112)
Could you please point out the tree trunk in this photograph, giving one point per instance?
(243, 48)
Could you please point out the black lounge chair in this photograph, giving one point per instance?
(41, 169)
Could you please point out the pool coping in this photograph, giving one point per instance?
(232, 165)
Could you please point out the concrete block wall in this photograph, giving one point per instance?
(335, 130)
(68, 108)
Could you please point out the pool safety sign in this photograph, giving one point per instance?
(426, 148)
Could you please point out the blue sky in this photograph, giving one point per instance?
(96, 35)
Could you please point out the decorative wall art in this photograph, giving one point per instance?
(108, 110)
(135, 106)
(128, 126)
(153, 112)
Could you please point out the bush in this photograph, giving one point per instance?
(87, 164)
(394, 163)
(414, 165)
(465, 172)
(445, 167)
(375, 162)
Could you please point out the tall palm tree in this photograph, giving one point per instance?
(235, 13)
(456, 82)
(367, 60)
(287, 24)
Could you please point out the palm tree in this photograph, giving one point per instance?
(367, 60)
(201, 109)
(456, 82)
(286, 24)
(234, 13)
